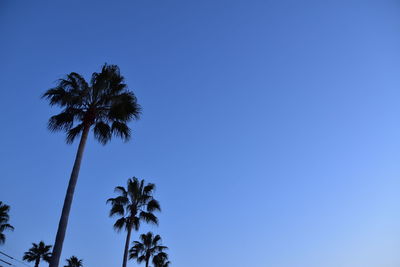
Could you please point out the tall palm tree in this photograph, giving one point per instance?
(4, 218)
(161, 260)
(134, 204)
(148, 247)
(38, 252)
(104, 105)
(74, 262)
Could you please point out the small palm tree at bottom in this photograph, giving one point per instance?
(133, 205)
(148, 247)
(38, 252)
(4, 225)
(161, 260)
(74, 262)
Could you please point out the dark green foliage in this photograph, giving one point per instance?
(161, 260)
(104, 103)
(134, 204)
(148, 246)
(74, 262)
(4, 218)
(37, 253)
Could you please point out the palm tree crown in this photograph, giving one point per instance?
(4, 218)
(104, 103)
(38, 252)
(161, 260)
(147, 248)
(134, 204)
(74, 262)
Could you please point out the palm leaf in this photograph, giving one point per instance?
(102, 132)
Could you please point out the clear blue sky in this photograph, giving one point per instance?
(271, 128)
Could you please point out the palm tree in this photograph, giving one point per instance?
(4, 225)
(143, 251)
(134, 204)
(104, 105)
(161, 260)
(74, 262)
(37, 253)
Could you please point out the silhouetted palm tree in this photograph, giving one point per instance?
(161, 260)
(74, 262)
(38, 252)
(4, 225)
(105, 105)
(145, 250)
(134, 204)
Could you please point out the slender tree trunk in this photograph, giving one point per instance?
(147, 262)
(128, 237)
(37, 262)
(62, 225)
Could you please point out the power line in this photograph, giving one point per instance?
(6, 255)
(6, 262)
(1, 252)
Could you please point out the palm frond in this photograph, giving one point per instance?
(102, 132)
(135, 223)
(4, 218)
(124, 107)
(153, 205)
(149, 188)
(57, 96)
(161, 260)
(119, 224)
(148, 217)
(121, 130)
(74, 132)
(62, 121)
(6, 226)
(117, 209)
(121, 200)
(121, 190)
(47, 257)
(29, 256)
(68, 92)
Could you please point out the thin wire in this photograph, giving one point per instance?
(6, 262)
(6, 255)
(1, 252)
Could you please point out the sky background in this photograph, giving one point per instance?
(271, 128)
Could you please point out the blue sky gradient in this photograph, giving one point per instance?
(271, 128)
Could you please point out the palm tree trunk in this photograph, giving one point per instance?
(37, 262)
(147, 258)
(128, 237)
(62, 225)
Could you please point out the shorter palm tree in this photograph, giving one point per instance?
(38, 252)
(4, 225)
(74, 262)
(134, 204)
(148, 247)
(161, 260)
